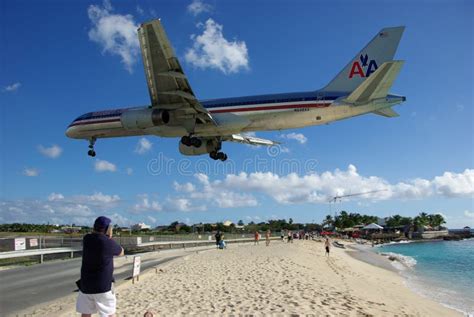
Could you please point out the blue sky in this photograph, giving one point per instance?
(59, 61)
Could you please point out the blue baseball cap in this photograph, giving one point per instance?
(101, 223)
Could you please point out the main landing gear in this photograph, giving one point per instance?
(91, 151)
(191, 141)
(218, 156)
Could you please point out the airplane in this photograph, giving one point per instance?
(361, 87)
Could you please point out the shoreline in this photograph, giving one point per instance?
(281, 279)
(404, 266)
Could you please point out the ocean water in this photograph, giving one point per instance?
(441, 270)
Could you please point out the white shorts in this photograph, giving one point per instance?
(102, 303)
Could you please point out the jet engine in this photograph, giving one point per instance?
(144, 118)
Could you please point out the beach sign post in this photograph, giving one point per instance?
(136, 268)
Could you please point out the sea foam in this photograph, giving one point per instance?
(406, 261)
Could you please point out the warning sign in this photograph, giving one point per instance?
(20, 244)
(136, 266)
(33, 243)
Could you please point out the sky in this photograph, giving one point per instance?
(62, 59)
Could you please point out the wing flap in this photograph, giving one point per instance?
(245, 139)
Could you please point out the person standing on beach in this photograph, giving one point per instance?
(218, 237)
(290, 237)
(327, 246)
(257, 237)
(267, 237)
(282, 235)
(95, 285)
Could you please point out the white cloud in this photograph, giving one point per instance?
(469, 214)
(152, 219)
(104, 166)
(119, 219)
(237, 190)
(214, 192)
(53, 151)
(31, 172)
(455, 185)
(179, 204)
(146, 204)
(143, 146)
(12, 88)
(299, 137)
(212, 50)
(139, 10)
(185, 188)
(99, 198)
(115, 33)
(197, 7)
(129, 171)
(55, 197)
(57, 208)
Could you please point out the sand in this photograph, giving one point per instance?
(282, 279)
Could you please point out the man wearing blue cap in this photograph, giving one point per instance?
(95, 285)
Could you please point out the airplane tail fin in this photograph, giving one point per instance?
(380, 49)
(377, 86)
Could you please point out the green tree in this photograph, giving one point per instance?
(328, 221)
(436, 220)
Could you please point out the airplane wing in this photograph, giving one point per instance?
(167, 84)
(239, 138)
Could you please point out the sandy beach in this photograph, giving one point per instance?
(282, 279)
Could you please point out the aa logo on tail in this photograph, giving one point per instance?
(358, 67)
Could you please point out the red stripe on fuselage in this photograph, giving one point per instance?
(261, 108)
(278, 107)
(94, 122)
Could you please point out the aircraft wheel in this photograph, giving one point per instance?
(186, 140)
(91, 153)
(196, 142)
(213, 155)
(221, 156)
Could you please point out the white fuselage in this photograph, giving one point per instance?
(235, 115)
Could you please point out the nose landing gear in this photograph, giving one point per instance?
(91, 152)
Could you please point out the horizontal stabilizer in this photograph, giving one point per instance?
(377, 85)
(387, 112)
(239, 138)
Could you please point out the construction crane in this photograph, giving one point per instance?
(339, 197)
(336, 198)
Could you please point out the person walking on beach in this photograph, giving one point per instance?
(256, 237)
(267, 237)
(282, 235)
(327, 246)
(95, 285)
(290, 237)
(218, 237)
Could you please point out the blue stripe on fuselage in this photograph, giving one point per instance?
(265, 99)
(232, 102)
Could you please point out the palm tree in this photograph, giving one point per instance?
(436, 220)
(328, 221)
